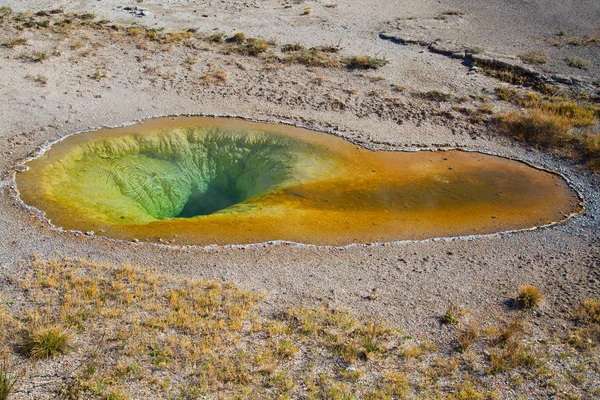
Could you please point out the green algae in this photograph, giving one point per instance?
(151, 176)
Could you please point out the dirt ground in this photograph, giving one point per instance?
(414, 282)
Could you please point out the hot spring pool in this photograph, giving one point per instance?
(200, 181)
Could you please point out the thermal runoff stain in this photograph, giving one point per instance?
(200, 181)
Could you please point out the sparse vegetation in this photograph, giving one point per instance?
(534, 57)
(508, 75)
(475, 50)
(509, 331)
(453, 12)
(578, 41)
(137, 331)
(528, 297)
(15, 42)
(41, 79)
(292, 47)
(399, 88)
(250, 47)
(588, 311)
(36, 56)
(190, 61)
(554, 122)
(239, 37)
(313, 58)
(434, 95)
(578, 62)
(218, 37)
(587, 336)
(99, 74)
(513, 355)
(9, 376)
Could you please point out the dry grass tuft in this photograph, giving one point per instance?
(365, 62)
(578, 62)
(434, 95)
(214, 77)
(528, 297)
(41, 79)
(218, 37)
(508, 332)
(286, 48)
(36, 56)
(536, 126)
(46, 341)
(467, 336)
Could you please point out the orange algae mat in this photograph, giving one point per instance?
(201, 181)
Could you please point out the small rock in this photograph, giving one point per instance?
(562, 79)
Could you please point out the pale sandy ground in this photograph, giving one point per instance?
(414, 282)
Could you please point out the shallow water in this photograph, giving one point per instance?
(194, 180)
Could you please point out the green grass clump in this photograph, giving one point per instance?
(452, 315)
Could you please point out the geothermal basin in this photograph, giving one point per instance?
(202, 181)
